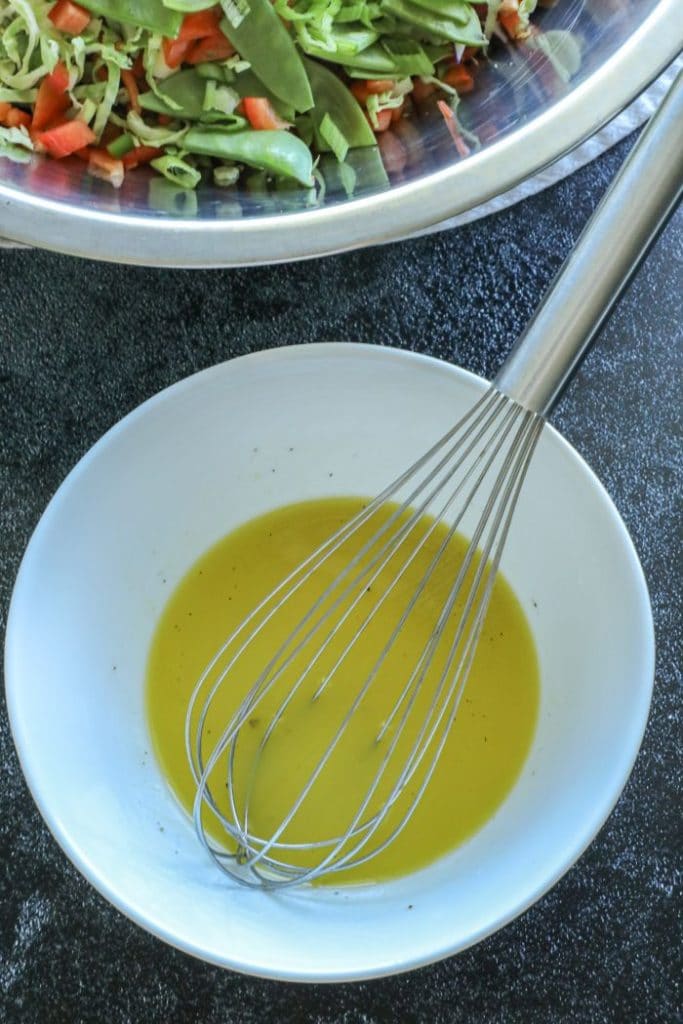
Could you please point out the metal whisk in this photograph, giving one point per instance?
(472, 475)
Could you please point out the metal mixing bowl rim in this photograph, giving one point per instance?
(369, 220)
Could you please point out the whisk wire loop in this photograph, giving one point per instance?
(293, 582)
(296, 579)
(486, 570)
(496, 432)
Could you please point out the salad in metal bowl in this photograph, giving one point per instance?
(304, 93)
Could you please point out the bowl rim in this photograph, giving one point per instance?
(369, 220)
(593, 823)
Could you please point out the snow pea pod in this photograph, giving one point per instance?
(390, 27)
(278, 152)
(339, 178)
(186, 91)
(188, 6)
(361, 172)
(470, 34)
(369, 169)
(332, 97)
(289, 195)
(455, 10)
(172, 199)
(258, 35)
(375, 58)
(149, 14)
(408, 56)
(213, 72)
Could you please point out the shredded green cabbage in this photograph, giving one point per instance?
(334, 138)
(16, 144)
(177, 170)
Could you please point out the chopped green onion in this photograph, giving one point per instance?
(119, 147)
(177, 171)
(334, 138)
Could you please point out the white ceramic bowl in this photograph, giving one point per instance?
(168, 481)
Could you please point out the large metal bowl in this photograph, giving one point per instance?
(625, 44)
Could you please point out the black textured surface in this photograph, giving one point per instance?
(82, 344)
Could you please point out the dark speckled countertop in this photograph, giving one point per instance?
(82, 344)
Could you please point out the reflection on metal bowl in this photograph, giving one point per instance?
(522, 115)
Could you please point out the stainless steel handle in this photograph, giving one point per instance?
(632, 212)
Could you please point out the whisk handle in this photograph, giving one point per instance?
(628, 219)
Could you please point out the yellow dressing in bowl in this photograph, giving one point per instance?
(483, 753)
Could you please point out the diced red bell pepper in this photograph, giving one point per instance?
(195, 27)
(383, 120)
(13, 117)
(138, 68)
(452, 125)
(58, 77)
(422, 90)
(397, 113)
(260, 114)
(511, 22)
(200, 24)
(69, 17)
(460, 79)
(175, 51)
(216, 47)
(131, 86)
(362, 88)
(53, 99)
(66, 138)
(17, 118)
(103, 165)
(360, 92)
